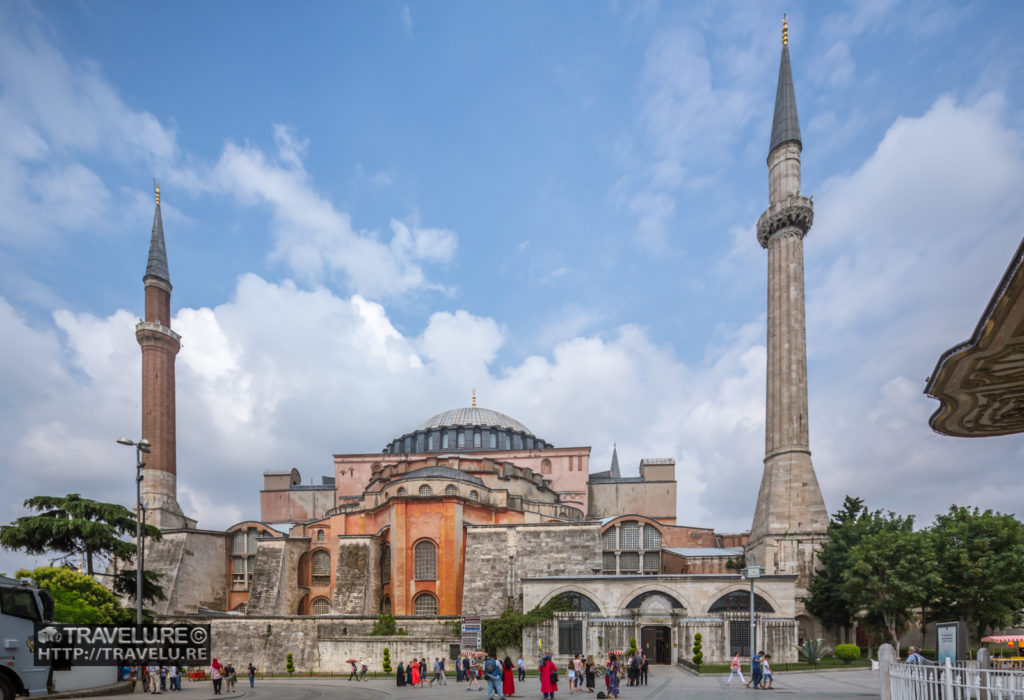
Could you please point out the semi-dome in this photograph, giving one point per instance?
(470, 429)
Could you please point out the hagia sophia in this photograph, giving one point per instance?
(472, 512)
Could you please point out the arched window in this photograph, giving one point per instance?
(451, 490)
(462, 439)
(321, 606)
(474, 496)
(739, 601)
(578, 601)
(426, 490)
(319, 535)
(609, 539)
(545, 466)
(652, 538)
(385, 564)
(321, 564)
(425, 562)
(476, 439)
(385, 605)
(425, 604)
(401, 491)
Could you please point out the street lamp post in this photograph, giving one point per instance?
(141, 447)
(750, 573)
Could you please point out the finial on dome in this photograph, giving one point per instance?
(474, 398)
(156, 189)
(785, 31)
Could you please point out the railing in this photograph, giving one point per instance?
(961, 681)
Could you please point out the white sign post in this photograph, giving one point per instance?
(471, 633)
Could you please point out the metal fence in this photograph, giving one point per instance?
(961, 681)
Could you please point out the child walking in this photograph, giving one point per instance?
(735, 669)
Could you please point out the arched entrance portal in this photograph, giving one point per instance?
(656, 642)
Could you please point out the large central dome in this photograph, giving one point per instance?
(473, 416)
(467, 430)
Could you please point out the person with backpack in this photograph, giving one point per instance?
(916, 658)
(493, 673)
(548, 676)
(472, 674)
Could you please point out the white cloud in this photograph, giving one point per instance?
(407, 19)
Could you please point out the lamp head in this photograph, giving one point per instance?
(144, 445)
(124, 441)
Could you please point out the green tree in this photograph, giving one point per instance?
(78, 598)
(74, 527)
(506, 630)
(289, 663)
(385, 625)
(889, 575)
(698, 653)
(827, 598)
(387, 660)
(981, 559)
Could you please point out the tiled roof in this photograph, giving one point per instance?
(474, 416)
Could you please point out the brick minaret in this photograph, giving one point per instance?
(159, 345)
(790, 519)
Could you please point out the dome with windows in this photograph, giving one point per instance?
(470, 429)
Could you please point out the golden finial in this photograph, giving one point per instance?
(156, 188)
(474, 398)
(785, 31)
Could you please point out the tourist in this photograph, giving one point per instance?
(613, 676)
(230, 676)
(735, 669)
(133, 676)
(521, 668)
(755, 670)
(766, 669)
(508, 684)
(400, 676)
(548, 676)
(154, 678)
(408, 672)
(415, 666)
(473, 674)
(163, 679)
(216, 676)
(590, 669)
(362, 671)
(423, 672)
(645, 665)
(493, 674)
(172, 677)
(355, 670)
(440, 667)
(570, 677)
(437, 672)
(252, 675)
(916, 658)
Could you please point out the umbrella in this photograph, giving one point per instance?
(351, 661)
(1003, 638)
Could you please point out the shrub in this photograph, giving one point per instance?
(698, 654)
(289, 665)
(387, 660)
(848, 653)
(632, 645)
(813, 650)
(384, 626)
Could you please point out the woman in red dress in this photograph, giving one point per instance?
(415, 673)
(508, 686)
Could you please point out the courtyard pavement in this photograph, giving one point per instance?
(666, 683)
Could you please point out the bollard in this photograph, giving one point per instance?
(886, 656)
(984, 663)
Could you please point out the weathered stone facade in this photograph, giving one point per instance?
(274, 589)
(499, 557)
(194, 568)
(357, 579)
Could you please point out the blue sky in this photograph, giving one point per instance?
(372, 208)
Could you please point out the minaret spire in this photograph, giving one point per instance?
(790, 519)
(159, 346)
(614, 469)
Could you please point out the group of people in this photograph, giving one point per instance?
(580, 672)
(414, 673)
(155, 678)
(637, 668)
(760, 671)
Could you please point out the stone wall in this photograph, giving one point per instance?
(194, 568)
(498, 557)
(357, 576)
(318, 644)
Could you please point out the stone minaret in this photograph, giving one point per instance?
(159, 345)
(790, 519)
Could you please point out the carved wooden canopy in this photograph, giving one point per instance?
(980, 383)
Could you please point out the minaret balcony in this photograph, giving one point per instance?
(794, 212)
(157, 327)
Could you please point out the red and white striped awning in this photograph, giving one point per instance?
(1004, 638)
